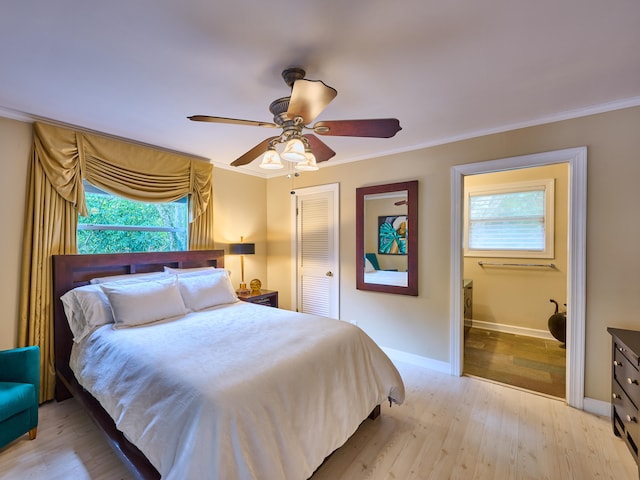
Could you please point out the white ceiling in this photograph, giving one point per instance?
(447, 69)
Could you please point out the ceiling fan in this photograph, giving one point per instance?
(293, 114)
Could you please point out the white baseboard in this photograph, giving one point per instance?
(597, 407)
(500, 327)
(413, 359)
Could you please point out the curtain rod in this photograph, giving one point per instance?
(498, 264)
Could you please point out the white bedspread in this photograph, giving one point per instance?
(387, 277)
(237, 392)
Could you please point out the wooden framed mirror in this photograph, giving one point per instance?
(387, 238)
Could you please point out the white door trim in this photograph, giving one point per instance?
(335, 189)
(576, 268)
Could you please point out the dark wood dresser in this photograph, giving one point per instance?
(625, 387)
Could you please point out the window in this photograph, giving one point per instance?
(117, 224)
(510, 220)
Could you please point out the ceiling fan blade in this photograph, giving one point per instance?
(252, 154)
(308, 99)
(375, 127)
(235, 121)
(320, 149)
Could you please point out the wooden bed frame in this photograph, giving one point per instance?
(71, 271)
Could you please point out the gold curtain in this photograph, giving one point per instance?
(145, 174)
(60, 159)
(201, 229)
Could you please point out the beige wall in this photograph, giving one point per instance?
(240, 209)
(420, 325)
(519, 296)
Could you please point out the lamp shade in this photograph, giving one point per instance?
(308, 165)
(242, 248)
(294, 151)
(271, 160)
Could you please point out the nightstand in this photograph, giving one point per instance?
(263, 297)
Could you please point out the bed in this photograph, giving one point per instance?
(232, 390)
(387, 277)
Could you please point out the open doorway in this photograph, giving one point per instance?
(514, 268)
(576, 159)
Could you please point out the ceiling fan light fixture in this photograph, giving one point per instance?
(309, 165)
(296, 112)
(294, 151)
(271, 160)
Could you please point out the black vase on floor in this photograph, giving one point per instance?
(558, 324)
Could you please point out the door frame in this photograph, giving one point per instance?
(576, 257)
(333, 188)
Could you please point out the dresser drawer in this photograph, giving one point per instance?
(625, 419)
(620, 347)
(626, 374)
(262, 301)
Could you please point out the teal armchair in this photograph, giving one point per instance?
(19, 385)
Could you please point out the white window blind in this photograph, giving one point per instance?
(510, 220)
(507, 221)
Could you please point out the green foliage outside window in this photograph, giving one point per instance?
(117, 225)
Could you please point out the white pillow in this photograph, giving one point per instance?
(144, 302)
(192, 271)
(130, 278)
(86, 308)
(204, 291)
(368, 266)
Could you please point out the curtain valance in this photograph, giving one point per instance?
(133, 171)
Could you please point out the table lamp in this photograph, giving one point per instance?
(242, 249)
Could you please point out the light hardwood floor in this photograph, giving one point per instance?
(448, 428)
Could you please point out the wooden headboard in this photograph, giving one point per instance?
(70, 271)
